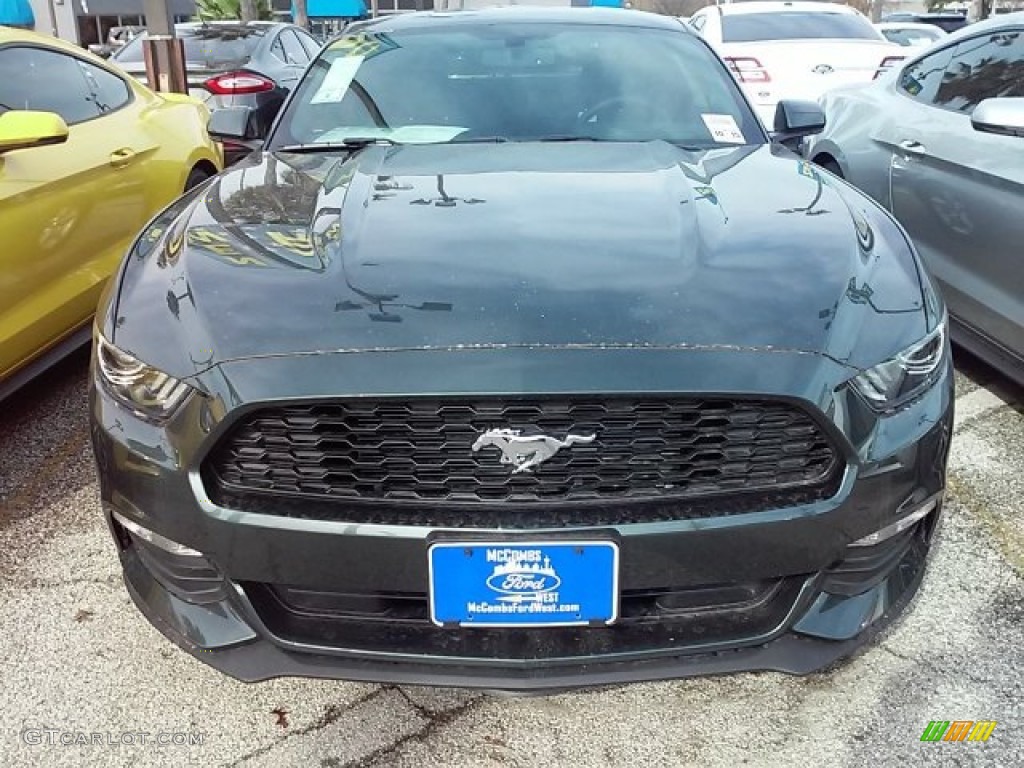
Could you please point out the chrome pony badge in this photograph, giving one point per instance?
(525, 453)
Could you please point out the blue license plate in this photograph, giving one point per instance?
(524, 584)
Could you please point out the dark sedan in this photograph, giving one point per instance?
(518, 360)
(231, 64)
(947, 22)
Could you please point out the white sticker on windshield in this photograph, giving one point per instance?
(337, 80)
(723, 129)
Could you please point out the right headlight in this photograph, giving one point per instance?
(890, 384)
(149, 392)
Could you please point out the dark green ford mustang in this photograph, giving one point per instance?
(519, 356)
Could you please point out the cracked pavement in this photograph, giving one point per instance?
(75, 655)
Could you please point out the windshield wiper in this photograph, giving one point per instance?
(568, 137)
(352, 142)
(480, 140)
(687, 146)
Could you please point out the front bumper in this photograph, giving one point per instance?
(221, 635)
(263, 596)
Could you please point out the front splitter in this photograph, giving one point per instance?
(217, 635)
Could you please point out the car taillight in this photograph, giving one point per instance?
(233, 83)
(747, 69)
(887, 62)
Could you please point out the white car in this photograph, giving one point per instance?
(910, 34)
(794, 50)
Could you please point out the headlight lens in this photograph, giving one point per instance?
(150, 393)
(904, 377)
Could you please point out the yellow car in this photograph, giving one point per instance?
(87, 156)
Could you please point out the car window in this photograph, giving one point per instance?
(519, 82)
(109, 92)
(921, 79)
(293, 50)
(951, 24)
(796, 25)
(277, 49)
(47, 81)
(985, 67)
(309, 43)
(910, 36)
(214, 47)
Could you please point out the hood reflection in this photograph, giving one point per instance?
(519, 245)
(444, 200)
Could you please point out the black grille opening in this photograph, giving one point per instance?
(369, 459)
(664, 619)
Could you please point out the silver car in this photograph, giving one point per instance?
(939, 142)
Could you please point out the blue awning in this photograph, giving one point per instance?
(334, 9)
(17, 13)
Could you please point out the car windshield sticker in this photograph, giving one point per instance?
(337, 80)
(723, 129)
(363, 45)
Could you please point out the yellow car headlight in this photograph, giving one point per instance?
(149, 392)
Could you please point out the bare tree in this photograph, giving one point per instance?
(249, 10)
(301, 15)
(671, 7)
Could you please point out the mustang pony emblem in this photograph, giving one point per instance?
(525, 452)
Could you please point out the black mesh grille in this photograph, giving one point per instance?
(409, 453)
(652, 620)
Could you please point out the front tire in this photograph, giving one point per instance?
(830, 165)
(196, 177)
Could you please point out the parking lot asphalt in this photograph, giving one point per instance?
(77, 659)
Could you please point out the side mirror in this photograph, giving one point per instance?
(235, 125)
(1004, 116)
(795, 120)
(239, 130)
(22, 129)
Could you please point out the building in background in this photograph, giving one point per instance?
(17, 13)
(88, 22)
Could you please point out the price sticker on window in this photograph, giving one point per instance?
(723, 129)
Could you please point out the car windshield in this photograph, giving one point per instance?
(948, 24)
(906, 36)
(211, 47)
(518, 82)
(796, 25)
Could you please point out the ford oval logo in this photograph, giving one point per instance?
(522, 580)
(823, 69)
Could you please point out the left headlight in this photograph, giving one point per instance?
(149, 392)
(890, 384)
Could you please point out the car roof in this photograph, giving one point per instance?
(1001, 21)
(230, 25)
(908, 25)
(777, 6)
(527, 15)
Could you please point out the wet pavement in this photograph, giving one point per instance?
(79, 664)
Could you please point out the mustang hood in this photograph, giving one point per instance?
(576, 244)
